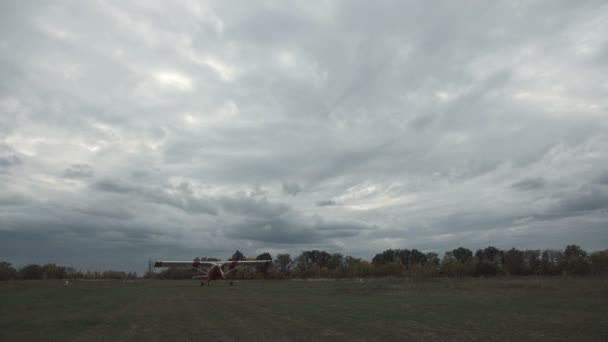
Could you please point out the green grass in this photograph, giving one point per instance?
(559, 309)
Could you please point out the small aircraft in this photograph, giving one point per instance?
(212, 270)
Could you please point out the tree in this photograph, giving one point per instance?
(264, 268)
(450, 266)
(486, 269)
(336, 261)
(489, 261)
(469, 267)
(353, 266)
(72, 273)
(431, 268)
(264, 256)
(284, 261)
(462, 254)
(492, 254)
(514, 262)
(307, 259)
(314, 270)
(52, 271)
(574, 251)
(395, 268)
(578, 266)
(532, 261)
(417, 258)
(237, 256)
(7, 271)
(363, 268)
(32, 271)
(350, 261)
(389, 255)
(552, 262)
(599, 262)
(577, 262)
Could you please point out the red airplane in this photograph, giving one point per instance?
(211, 270)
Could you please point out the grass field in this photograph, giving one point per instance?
(559, 309)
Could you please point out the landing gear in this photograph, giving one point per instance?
(230, 283)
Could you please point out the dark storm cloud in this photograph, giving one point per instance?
(345, 125)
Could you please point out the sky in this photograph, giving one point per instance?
(174, 129)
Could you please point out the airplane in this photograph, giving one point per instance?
(211, 270)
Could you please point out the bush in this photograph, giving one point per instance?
(487, 269)
(599, 262)
(7, 271)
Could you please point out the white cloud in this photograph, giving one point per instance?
(173, 80)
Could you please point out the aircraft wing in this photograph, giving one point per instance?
(245, 262)
(196, 264)
(191, 263)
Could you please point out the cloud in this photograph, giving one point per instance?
(291, 188)
(9, 161)
(603, 178)
(294, 229)
(347, 126)
(9, 158)
(173, 80)
(172, 197)
(586, 198)
(326, 203)
(79, 171)
(13, 199)
(251, 207)
(273, 230)
(528, 184)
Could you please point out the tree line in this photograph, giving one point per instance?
(54, 271)
(459, 262)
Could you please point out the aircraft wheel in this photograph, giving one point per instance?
(231, 283)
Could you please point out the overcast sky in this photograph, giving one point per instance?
(137, 129)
